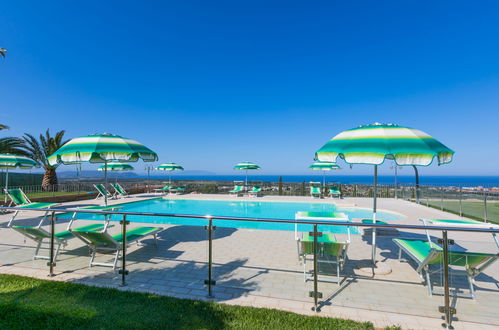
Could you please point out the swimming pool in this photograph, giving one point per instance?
(249, 209)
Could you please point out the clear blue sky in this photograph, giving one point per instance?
(211, 83)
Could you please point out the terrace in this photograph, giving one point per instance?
(261, 267)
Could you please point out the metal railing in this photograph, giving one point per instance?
(447, 309)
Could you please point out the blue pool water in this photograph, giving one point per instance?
(256, 209)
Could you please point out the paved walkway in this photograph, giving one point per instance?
(261, 268)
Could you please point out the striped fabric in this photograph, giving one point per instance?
(100, 148)
(13, 161)
(372, 144)
(324, 166)
(115, 166)
(247, 166)
(169, 167)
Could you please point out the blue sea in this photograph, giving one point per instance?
(464, 181)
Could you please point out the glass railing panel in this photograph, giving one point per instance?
(474, 277)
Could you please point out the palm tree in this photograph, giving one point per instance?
(3, 51)
(42, 148)
(12, 145)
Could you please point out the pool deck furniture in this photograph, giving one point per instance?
(165, 190)
(324, 217)
(334, 191)
(238, 190)
(101, 240)
(119, 191)
(42, 236)
(255, 191)
(331, 251)
(315, 190)
(460, 223)
(178, 190)
(102, 191)
(428, 255)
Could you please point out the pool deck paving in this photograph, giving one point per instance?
(261, 268)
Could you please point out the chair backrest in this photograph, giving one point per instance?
(256, 189)
(315, 190)
(100, 187)
(238, 188)
(334, 189)
(119, 189)
(18, 196)
(327, 245)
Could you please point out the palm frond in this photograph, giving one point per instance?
(39, 149)
(12, 145)
(3, 127)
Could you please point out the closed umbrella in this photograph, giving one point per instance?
(372, 144)
(102, 148)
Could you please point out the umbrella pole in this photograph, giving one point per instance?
(6, 184)
(375, 191)
(105, 181)
(246, 179)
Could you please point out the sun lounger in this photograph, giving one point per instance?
(315, 191)
(103, 241)
(330, 251)
(165, 190)
(428, 255)
(460, 223)
(19, 199)
(178, 190)
(334, 191)
(102, 191)
(42, 236)
(255, 191)
(119, 190)
(238, 190)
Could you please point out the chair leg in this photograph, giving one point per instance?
(116, 258)
(38, 245)
(57, 251)
(92, 256)
(472, 289)
(304, 268)
(428, 282)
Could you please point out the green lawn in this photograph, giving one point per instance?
(51, 194)
(27, 303)
(471, 209)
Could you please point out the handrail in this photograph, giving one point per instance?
(307, 222)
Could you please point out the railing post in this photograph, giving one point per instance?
(210, 282)
(123, 271)
(461, 201)
(51, 262)
(485, 215)
(446, 309)
(316, 294)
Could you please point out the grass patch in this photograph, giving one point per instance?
(27, 303)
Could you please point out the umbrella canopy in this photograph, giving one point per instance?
(115, 166)
(9, 161)
(372, 144)
(102, 148)
(247, 166)
(324, 166)
(169, 167)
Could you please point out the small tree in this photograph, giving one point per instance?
(40, 149)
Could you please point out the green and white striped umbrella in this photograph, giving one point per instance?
(247, 166)
(372, 144)
(324, 166)
(169, 167)
(9, 161)
(102, 148)
(116, 166)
